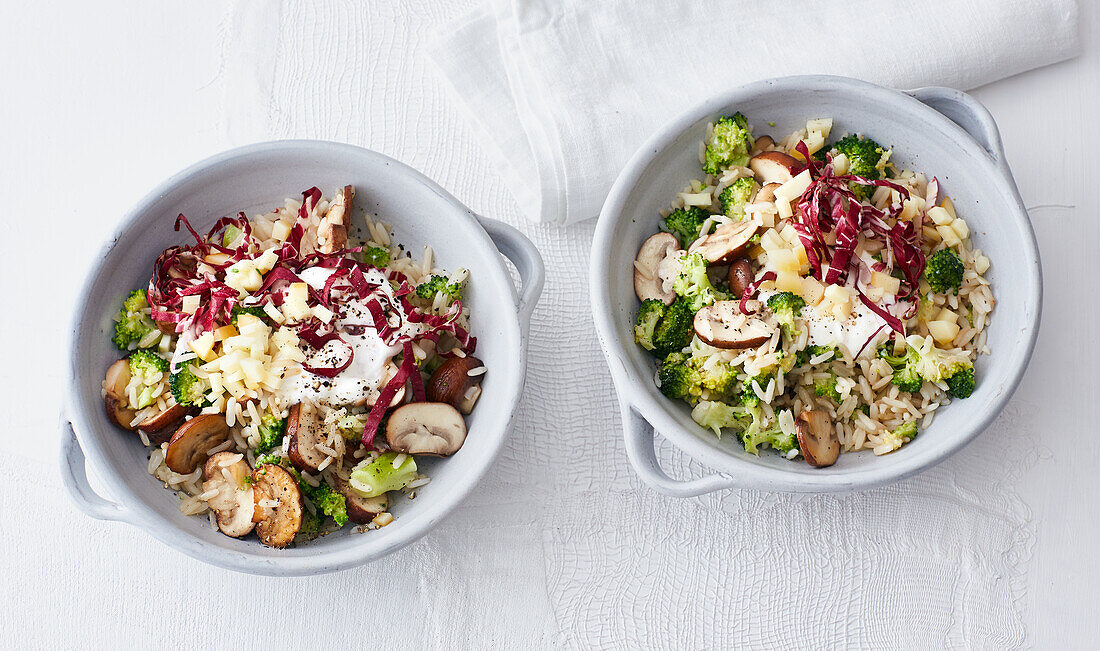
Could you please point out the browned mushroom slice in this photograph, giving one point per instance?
(114, 395)
(766, 194)
(305, 429)
(192, 442)
(760, 144)
(740, 276)
(235, 503)
(169, 418)
(722, 325)
(726, 243)
(774, 167)
(361, 510)
(817, 438)
(434, 428)
(332, 232)
(278, 505)
(452, 383)
(652, 272)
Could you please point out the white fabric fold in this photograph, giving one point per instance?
(562, 92)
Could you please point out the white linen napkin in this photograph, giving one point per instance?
(564, 91)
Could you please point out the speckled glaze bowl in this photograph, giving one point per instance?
(256, 178)
(940, 131)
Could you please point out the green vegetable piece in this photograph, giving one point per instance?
(230, 235)
(255, 310)
(866, 159)
(133, 324)
(787, 306)
(944, 271)
(693, 284)
(735, 197)
(378, 477)
(439, 285)
(826, 388)
(728, 145)
(376, 256)
(271, 432)
(907, 430)
(187, 388)
(685, 223)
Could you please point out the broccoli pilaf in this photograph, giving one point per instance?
(821, 298)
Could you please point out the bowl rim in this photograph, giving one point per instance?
(142, 515)
(738, 471)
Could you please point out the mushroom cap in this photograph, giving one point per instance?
(114, 395)
(235, 503)
(773, 167)
(452, 383)
(740, 276)
(649, 282)
(163, 420)
(760, 144)
(305, 428)
(766, 194)
(277, 524)
(722, 325)
(727, 243)
(434, 428)
(817, 438)
(361, 510)
(191, 443)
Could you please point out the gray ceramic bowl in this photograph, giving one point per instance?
(253, 179)
(941, 131)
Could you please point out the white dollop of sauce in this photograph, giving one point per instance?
(371, 356)
(851, 334)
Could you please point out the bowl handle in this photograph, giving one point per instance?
(639, 450)
(522, 252)
(968, 113)
(75, 477)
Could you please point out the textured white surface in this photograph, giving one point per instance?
(561, 546)
(575, 87)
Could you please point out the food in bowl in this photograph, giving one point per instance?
(287, 375)
(810, 296)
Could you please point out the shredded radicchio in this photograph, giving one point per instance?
(186, 271)
(830, 206)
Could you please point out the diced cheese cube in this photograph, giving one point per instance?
(203, 345)
(783, 208)
(216, 387)
(943, 331)
(246, 321)
(946, 314)
(815, 140)
(838, 300)
(939, 215)
(253, 372)
(323, 313)
(281, 230)
(794, 188)
(824, 125)
(910, 208)
(840, 164)
(225, 332)
(803, 260)
(931, 234)
(216, 258)
(981, 264)
(784, 261)
(267, 261)
(812, 290)
(771, 241)
(273, 312)
(948, 235)
(190, 304)
(294, 306)
(949, 206)
(960, 228)
(786, 281)
(887, 283)
(696, 199)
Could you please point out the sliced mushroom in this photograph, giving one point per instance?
(740, 276)
(332, 232)
(305, 429)
(766, 194)
(192, 442)
(452, 383)
(722, 325)
(817, 438)
(726, 243)
(114, 396)
(774, 167)
(434, 428)
(760, 144)
(278, 512)
(170, 418)
(361, 510)
(235, 503)
(651, 273)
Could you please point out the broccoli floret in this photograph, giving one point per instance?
(685, 223)
(133, 324)
(664, 329)
(328, 501)
(374, 478)
(960, 384)
(760, 433)
(786, 306)
(735, 197)
(679, 378)
(944, 271)
(748, 422)
(922, 362)
(255, 310)
(693, 284)
(715, 416)
(907, 430)
(271, 430)
(187, 388)
(809, 352)
(729, 144)
(748, 394)
(826, 388)
(146, 362)
(866, 159)
(376, 256)
(439, 285)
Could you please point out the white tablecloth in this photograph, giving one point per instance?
(561, 546)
